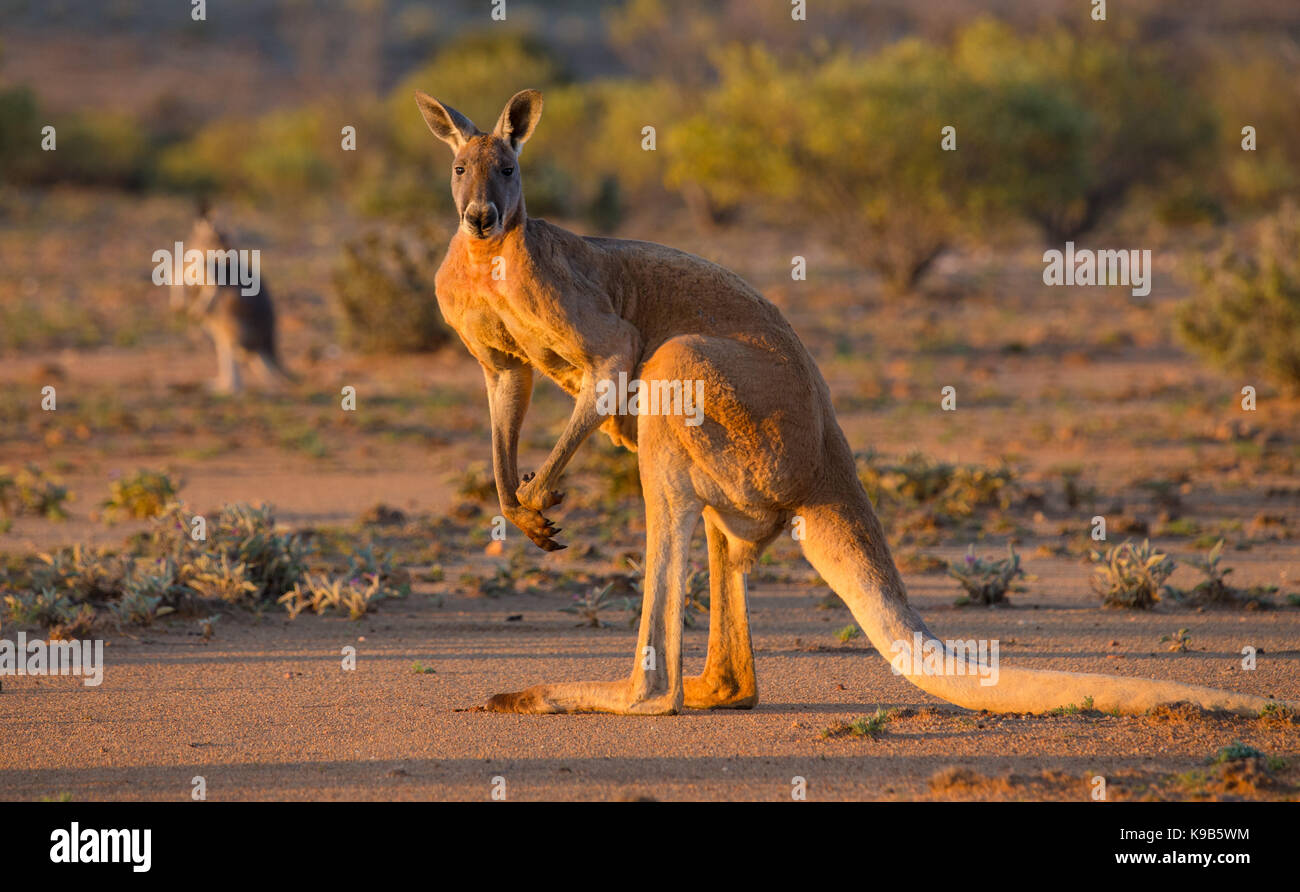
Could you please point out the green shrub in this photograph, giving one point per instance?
(832, 146)
(20, 135)
(1231, 81)
(1069, 125)
(1245, 314)
(83, 573)
(50, 610)
(384, 294)
(953, 491)
(290, 154)
(29, 491)
(1234, 752)
(92, 148)
(142, 495)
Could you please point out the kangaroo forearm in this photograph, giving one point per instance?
(582, 422)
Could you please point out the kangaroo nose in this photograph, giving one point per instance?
(482, 217)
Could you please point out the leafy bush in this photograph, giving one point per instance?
(384, 294)
(1245, 315)
(283, 154)
(1231, 83)
(20, 131)
(144, 494)
(92, 148)
(29, 491)
(46, 608)
(953, 491)
(476, 483)
(1234, 752)
(1070, 125)
(832, 145)
(84, 573)
(986, 582)
(1130, 576)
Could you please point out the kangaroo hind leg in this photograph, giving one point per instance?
(655, 685)
(728, 680)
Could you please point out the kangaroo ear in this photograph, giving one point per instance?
(519, 118)
(447, 124)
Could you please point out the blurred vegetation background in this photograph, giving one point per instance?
(831, 125)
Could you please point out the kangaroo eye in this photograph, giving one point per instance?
(459, 171)
(507, 170)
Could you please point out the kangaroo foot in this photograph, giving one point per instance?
(707, 692)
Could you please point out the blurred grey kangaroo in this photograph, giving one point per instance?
(242, 326)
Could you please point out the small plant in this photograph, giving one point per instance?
(1165, 493)
(29, 491)
(83, 573)
(1234, 752)
(502, 582)
(1179, 642)
(420, 669)
(137, 608)
(987, 582)
(1129, 575)
(867, 726)
(1073, 708)
(44, 608)
(1277, 714)
(243, 559)
(1213, 590)
(142, 495)
(697, 596)
(848, 633)
(589, 607)
(217, 577)
(320, 594)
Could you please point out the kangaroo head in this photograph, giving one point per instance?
(203, 236)
(485, 181)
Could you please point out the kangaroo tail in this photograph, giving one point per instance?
(280, 369)
(846, 545)
(271, 369)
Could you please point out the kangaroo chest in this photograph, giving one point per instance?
(492, 323)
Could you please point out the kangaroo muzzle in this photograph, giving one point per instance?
(481, 218)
